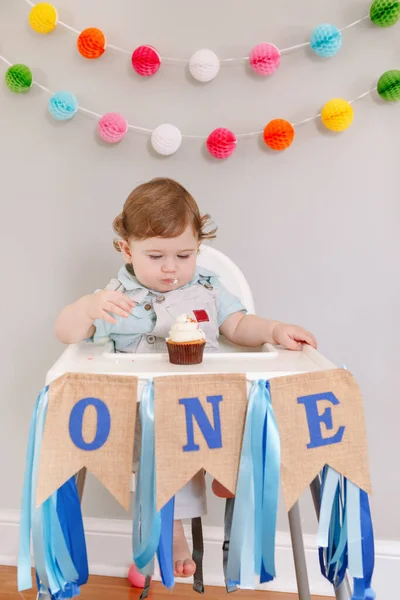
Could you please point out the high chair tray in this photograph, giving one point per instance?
(264, 364)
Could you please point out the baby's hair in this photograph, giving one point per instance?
(161, 208)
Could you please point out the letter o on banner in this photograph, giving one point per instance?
(76, 424)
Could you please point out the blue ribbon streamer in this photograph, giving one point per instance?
(346, 535)
(70, 516)
(368, 545)
(252, 543)
(239, 546)
(46, 578)
(147, 521)
(55, 568)
(271, 480)
(165, 547)
(362, 585)
(354, 540)
(328, 496)
(24, 555)
(259, 414)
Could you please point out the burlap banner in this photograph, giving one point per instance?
(321, 421)
(90, 423)
(199, 423)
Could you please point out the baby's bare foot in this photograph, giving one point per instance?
(184, 565)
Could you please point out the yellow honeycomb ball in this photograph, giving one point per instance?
(43, 17)
(337, 114)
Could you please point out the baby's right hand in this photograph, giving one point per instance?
(104, 302)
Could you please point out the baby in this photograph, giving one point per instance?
(159, 233)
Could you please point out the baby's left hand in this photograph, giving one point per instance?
(292, 337)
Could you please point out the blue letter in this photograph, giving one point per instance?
(315, 419)
(76, 422)
(194, 410)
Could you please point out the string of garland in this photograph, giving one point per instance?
(204, 65)
(337, 115)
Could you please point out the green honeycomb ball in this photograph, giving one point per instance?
(385, 13)
(389, 86)
(19, 79)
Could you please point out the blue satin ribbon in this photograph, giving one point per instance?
(362, 585)
(24, 555)
(259, 415)
(327, 501)
(70, 516)
(345, 534)
(47, 579)
(147, 521)
(252, 542)
(55, 569)
(239, 546)
(333, 560)
(165, 546)
(271, 480)
(368, 545)
(354, 539)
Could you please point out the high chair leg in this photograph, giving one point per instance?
(343, 592)
(299, 553)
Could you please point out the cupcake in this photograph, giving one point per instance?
(186, 342)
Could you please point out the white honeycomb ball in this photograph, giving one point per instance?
(204, 65)
(166, 139)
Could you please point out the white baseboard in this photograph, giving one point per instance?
(109, 550)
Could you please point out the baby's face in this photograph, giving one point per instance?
(163, 264)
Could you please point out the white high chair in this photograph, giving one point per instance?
(259, 363)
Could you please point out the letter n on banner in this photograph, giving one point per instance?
(320, 418)
(199, 424)
(90, 423)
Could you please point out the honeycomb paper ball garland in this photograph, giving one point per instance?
(62, 106)
(337, 115)
(43, 18)
(326, 40)
(265, 59)
(91, 43)
(146, 61)
(19, 79)
(389, 86)
(166, 139)
(112, 128)
(279, 134)
(204, 65)
(385, 13)
(221, 143)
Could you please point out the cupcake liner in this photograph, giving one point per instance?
(186, 354)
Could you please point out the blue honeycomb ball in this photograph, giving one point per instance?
(63, 106)
(326, 40)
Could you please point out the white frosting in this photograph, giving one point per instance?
(186, 329)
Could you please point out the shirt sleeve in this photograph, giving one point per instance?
(103, 330)
(227, 303)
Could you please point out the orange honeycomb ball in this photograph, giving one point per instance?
(279, 134)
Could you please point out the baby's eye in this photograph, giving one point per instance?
(154, 257)
(184, 256)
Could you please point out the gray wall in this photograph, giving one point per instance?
(314, 229)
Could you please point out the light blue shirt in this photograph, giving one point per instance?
(141, 322)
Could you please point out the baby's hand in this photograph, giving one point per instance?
(101, 304)
(292, 337)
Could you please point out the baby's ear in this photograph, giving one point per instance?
(125, 250)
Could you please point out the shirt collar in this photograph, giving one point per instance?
(131, 284)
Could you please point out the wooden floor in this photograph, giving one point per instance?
(111, 588)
